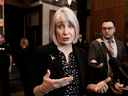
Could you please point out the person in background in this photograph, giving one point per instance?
(85, 45)
(79, 41)
(23, 58)
(5, 65)
(126, 43)
(97, 54)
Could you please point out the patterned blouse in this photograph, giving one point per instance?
(70, 69)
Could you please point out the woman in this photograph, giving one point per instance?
(60, 68)
(23, 58)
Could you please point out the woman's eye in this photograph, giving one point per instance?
(70, 26)
(60, 26)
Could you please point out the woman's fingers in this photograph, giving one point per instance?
(51, 84)
(47, 74)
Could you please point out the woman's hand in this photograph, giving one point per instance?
(51, 84)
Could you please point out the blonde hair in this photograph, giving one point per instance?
(24, 42)
(67, 15)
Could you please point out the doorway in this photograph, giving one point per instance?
(34, 27)
(14, 26)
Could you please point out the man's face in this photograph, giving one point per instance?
(108, 30)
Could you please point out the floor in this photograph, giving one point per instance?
(16, 88)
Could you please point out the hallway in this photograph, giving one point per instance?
(16, 88)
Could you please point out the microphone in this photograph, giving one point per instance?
(116, 64)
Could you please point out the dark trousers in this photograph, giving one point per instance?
(4, 81)
(24, 78)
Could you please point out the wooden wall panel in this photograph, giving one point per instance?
(107, 9)
(116, 14)
(106, 4)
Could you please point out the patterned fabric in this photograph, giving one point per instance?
(111, 71)
(110, 48)
(70, 69)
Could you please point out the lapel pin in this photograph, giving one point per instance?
(52, 57)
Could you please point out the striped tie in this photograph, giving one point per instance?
(110, 48)
(111, 71)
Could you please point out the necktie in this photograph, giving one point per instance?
(111, 71)
(110, 48)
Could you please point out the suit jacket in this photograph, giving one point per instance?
(98, 52)
(47, 57)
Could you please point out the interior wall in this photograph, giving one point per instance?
(107, 9)
(45, 20)
(88, 22)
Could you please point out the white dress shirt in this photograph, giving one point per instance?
(113, 44)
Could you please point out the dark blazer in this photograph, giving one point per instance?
(42, 61)
(98, 52)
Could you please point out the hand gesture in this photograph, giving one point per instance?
(102, 87)
(96, 66)
(117, 90)
(51, 84)
(10, 70)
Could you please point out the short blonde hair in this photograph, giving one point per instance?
(66, 14)
(24, 42)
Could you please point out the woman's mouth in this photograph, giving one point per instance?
(66, 38)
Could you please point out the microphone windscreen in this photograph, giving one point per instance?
(115, 63)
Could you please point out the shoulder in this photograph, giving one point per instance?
(46, 48)
(94, 43)
(42, 47)
(5, 45)
(18, 50)
(119, 42)
(79, 50)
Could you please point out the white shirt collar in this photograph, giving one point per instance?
(106, 41)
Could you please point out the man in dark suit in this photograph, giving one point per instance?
(5, 65)
(97, 54)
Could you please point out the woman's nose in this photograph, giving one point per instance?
(66, 31)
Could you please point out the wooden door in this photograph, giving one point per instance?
(34, 27)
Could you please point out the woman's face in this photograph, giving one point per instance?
(65, 32)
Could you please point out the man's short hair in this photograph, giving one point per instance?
(109, 21)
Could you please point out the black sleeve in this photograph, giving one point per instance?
(36, 70)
